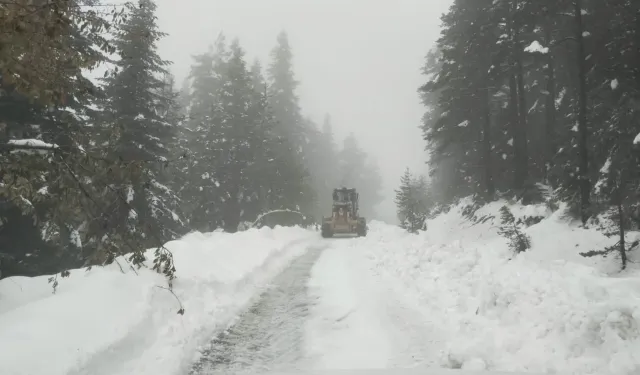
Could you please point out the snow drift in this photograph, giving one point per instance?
(99, 319)
(546, 310)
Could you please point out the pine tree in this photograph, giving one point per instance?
(236, 141)
(291, 125)
(277, 170)
(24, 248)
(282, 91)
(560, 109)
(136, 132)
(200, 188)
(51, 46)
(323, 162)
(43, 123)
(412, 202)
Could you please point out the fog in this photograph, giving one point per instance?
(358, 60)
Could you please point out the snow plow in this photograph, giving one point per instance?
(344, 219)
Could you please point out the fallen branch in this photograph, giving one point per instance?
(181, 311)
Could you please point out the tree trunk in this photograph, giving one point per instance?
(550, 109)
(522, 128)
(637, 42)
(518, 110)
(621, 250)
(231, 215)
(520, 174)
(486, 145)
(585, 185)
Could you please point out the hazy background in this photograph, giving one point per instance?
(358, 60)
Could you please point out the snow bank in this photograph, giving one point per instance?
(105, 322)
(546, 310)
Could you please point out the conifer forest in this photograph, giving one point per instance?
(535, 101)
(525, 100)
(94, 168)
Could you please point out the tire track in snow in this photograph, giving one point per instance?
(144, 348)
(363, 320)
(270, 334)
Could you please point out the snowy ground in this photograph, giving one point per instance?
(546, 310)
(274, 300)
(105, 322)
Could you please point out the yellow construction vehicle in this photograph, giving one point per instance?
(344, 217)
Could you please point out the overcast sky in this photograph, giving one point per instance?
(358, 60)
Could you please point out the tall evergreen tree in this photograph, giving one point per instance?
(412, 202)
(284, 102)
(136, 131)
(237, 140)
(522, 94)
(206, 79)
(282, 173)
(282, 91)
(323, 162)
(46, 99)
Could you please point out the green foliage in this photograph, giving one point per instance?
(413, 202)
(518, 241)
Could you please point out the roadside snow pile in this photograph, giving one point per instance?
(105, 322)
(546, 310)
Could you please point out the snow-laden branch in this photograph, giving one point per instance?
(535, 46)
(27, 145)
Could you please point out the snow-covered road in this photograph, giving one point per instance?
(284, 299)
(270, 334)
(328, 310)
(360, 320)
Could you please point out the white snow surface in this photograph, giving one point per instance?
(41, 146)
(535, 46)
(105, 322)
(31, 142)
(546, 310)
(452, 297)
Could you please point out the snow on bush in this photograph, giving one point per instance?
(100, 319)
(547, 309)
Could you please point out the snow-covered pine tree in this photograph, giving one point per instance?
(208, 78)
(237, 141)
(412, 202)
(200, 185)
(282, 93)
(272, 158)
(74, 41)
(172, 172)
(23, 246)
(424, 198)
(263, 169)
(135, 132)
(47, 101)
(283, 101)
(509, 229)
